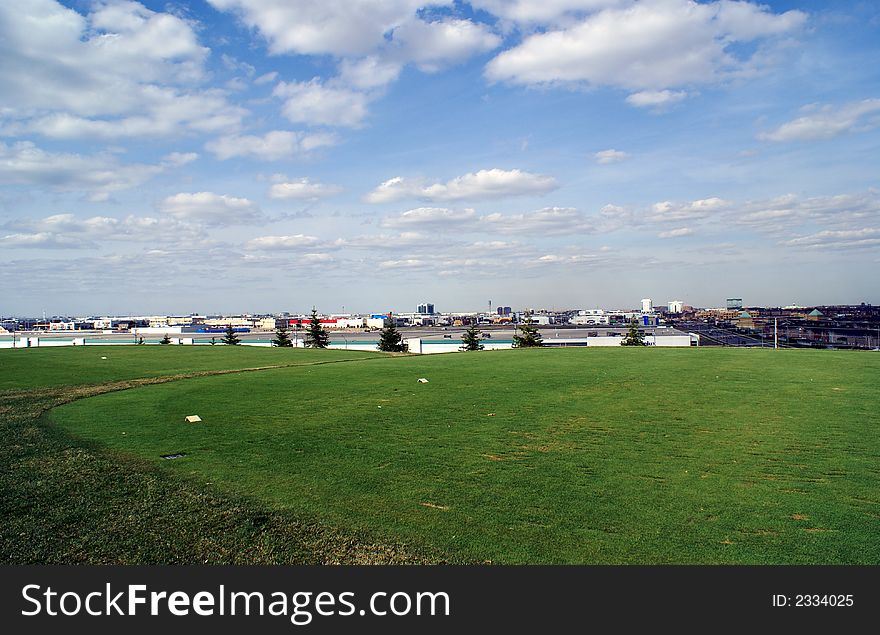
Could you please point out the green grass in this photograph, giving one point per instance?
(542, 456)
(24, 368)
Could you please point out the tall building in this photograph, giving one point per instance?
(675, 306)
(647, 305)
(425, 308)
(504, 310)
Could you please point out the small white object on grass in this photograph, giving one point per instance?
(106, 358)
(193, 419)
(422, 380)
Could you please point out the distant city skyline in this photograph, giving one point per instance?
(237, 156)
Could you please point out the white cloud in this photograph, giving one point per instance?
(283, 243)
(655, 98)
(826, 122)
(408, 263)
(546, 221)
(41, 240)
(177, 159)
(210, 208)
(273, 146)
(316, 103)
(783, 213)
(527, 12)
(237, 66)
(393, 30)
(386, 242)
(567, 259)
(368, 73)
(430, 217)
(69, 231)
(23, 163)
(432, 45)
(120, 71)
(606, 157)
(645, 46)
(266, 78)
(485, 184)
(840, 239)
(676, 233)
(302, 189)
(666, 211)
(320, 27)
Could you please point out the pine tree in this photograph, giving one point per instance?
(282, 338)
(316, 335)
(472, 340)
(390, 339)
(633, 337)
(230, 337)
(165, 340)
(529, 336)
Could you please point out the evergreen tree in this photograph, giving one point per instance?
(390, 339)
(529, 335)
(316, 335)
(472, 340)
(282, 338)
(633, 337)
(230, 337)
(165, 340)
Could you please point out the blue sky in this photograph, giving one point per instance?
(270, 155)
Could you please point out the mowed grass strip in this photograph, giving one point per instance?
(29, 368)
(539, 456)
(65, 502)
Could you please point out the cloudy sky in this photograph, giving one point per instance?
(270, 155)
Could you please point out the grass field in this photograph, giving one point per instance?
(535, 456)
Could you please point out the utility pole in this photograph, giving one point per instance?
(775, 333)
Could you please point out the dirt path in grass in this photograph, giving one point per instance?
(65, 502)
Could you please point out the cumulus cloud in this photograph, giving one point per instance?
(316, 103)
(177, 159)
(368, 73)
(272, 146)
(297, 242)
(408, 263)
(652, 45)
(825, 122)
(210, 208)
(42, 240)
(372, 41)
(432, 45)
(529, 12)
(666, 211)
(676, 233)
(655, 98)
(783, 213)
(566, 259)
(485, 184)
(120, 71)
(24, 163)
(839, 239)
(606, 157)
(400, 30)
(68, 231)
(302, 189)
(266, 78)
(546, 221)
(430, 217)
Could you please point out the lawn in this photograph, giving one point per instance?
(532, 456)
(27, 368)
